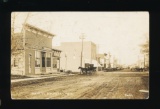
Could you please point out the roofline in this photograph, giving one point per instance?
(36, 28)
(56, 49)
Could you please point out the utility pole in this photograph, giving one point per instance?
(28, 14)
(144, 62)
(138, 62)
(24, 36)
(109, 60)
(66, 62)
(82, 38)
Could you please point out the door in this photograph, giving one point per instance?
(43, 62)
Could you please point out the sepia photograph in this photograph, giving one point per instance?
(80, 55)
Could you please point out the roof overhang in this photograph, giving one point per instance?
(56, 50)
(37, 30)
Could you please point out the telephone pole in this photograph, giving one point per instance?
(109, 60)
(66, 62)
(26, 19)
(82, 38)
(144, 62)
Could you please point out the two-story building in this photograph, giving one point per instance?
(35, 55)
(71, 55)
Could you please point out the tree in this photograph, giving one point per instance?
(145, 47)
(17, 47)
(17, 38)
(145, 52)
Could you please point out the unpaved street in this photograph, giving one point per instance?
(101, 85)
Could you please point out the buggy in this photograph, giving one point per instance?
(88, 69)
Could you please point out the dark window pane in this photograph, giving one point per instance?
(43, 61)
(48, 62)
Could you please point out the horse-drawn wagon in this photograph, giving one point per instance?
(88, 69)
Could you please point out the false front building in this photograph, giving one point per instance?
(71, 55)
(34, 53)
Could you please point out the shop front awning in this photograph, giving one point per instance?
(56, 53)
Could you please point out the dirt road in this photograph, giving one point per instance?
(102, 85)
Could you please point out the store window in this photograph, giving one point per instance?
(37, 59)
(48, 59)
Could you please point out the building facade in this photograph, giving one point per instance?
(71, 55)
(35, 55)
(102, 59)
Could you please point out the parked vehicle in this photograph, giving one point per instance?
(90, 69)
(111, 69)
(137, 69)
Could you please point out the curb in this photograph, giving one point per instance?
(23, 82)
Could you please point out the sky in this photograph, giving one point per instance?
(117, 33)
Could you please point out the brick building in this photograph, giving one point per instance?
(35, 53)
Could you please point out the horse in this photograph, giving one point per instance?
(88, 70)
(83, 70)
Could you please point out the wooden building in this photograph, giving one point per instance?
(35, 54)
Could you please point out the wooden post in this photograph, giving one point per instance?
(59, 64)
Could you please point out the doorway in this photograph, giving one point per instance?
(43, 62)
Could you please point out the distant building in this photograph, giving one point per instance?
(102, 59)
(35, 53)
(71, 55)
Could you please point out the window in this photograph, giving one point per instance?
(15, 62)
(54, 63)
(48, 59)
(37, 59)
(43, 59)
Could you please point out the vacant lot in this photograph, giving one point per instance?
(101, 85)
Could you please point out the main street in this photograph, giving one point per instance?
(101, 85)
